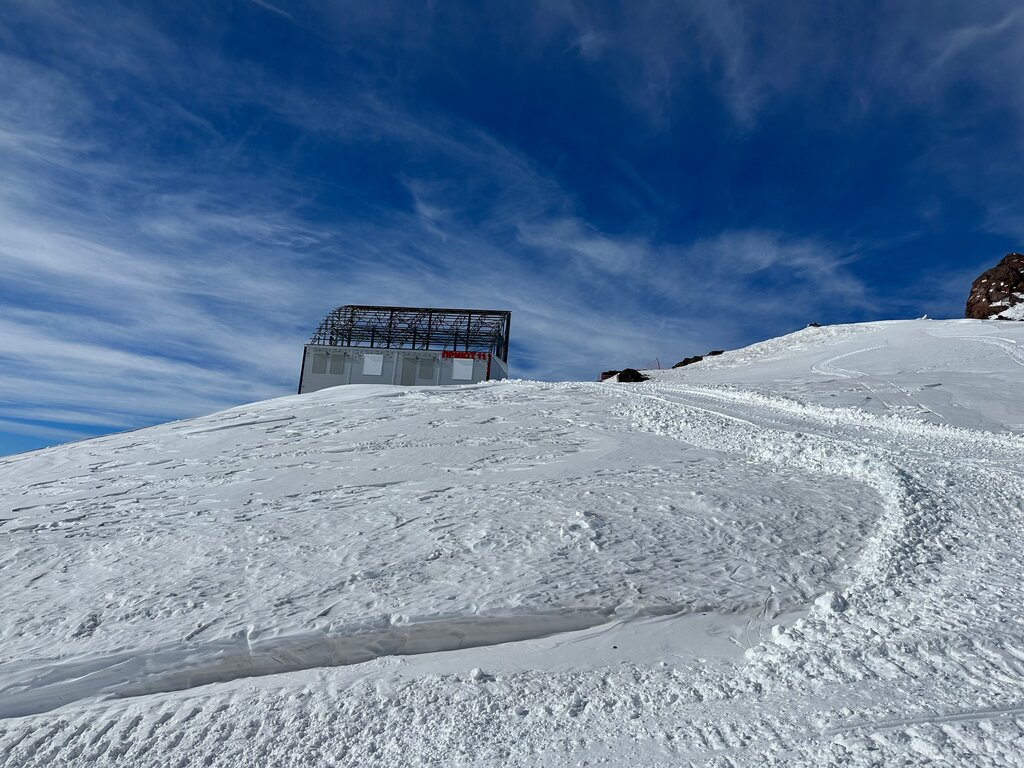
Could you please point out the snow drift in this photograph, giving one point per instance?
(802, 552)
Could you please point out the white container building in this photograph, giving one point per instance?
(411, 346)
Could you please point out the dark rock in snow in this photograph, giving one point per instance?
(631, 374)
(625, 375)
(814, 325)
(714, 352)
(999, 292)
(688, 361)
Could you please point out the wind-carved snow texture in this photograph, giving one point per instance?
(805, 553)
(196, 573)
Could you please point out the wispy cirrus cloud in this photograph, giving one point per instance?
(192, 301)
(186, 190)
(588, 248)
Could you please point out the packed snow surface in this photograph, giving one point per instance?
(805, 552)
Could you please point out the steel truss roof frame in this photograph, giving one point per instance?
(356, 325)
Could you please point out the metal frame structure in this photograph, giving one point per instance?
(469, 330)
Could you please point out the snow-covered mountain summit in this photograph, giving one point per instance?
(801, 552)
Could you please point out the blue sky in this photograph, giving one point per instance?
(187, 188)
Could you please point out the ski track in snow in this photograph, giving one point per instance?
(525, 512)
(892, 396)
(829, 367)
(1008, 346)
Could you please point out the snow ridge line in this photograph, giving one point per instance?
(853, 417)
(179, 667)
(908, 535)
(939, 486)
(707, 428)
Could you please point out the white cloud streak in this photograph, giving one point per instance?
(140, 291)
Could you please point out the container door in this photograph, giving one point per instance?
(408, 371)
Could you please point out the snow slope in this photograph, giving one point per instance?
(804, 552)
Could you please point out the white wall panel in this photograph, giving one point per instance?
(462, 370)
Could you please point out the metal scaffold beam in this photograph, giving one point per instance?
(470, 330)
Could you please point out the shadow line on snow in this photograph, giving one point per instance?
(30, 690)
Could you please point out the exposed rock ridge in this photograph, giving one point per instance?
(999, 292)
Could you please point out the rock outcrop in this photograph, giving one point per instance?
(998, 294)
(688, 361)
(631, 374)
(626, 375)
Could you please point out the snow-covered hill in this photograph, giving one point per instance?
(805, 552)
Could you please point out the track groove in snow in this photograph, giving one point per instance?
(958, 716)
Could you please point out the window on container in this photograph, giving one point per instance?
(373, 365)
(462, 370)
(337, 364)
(426, 369)
(320, 362)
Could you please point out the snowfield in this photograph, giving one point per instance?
(805, 552)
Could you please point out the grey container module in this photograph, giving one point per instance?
(410, 346)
